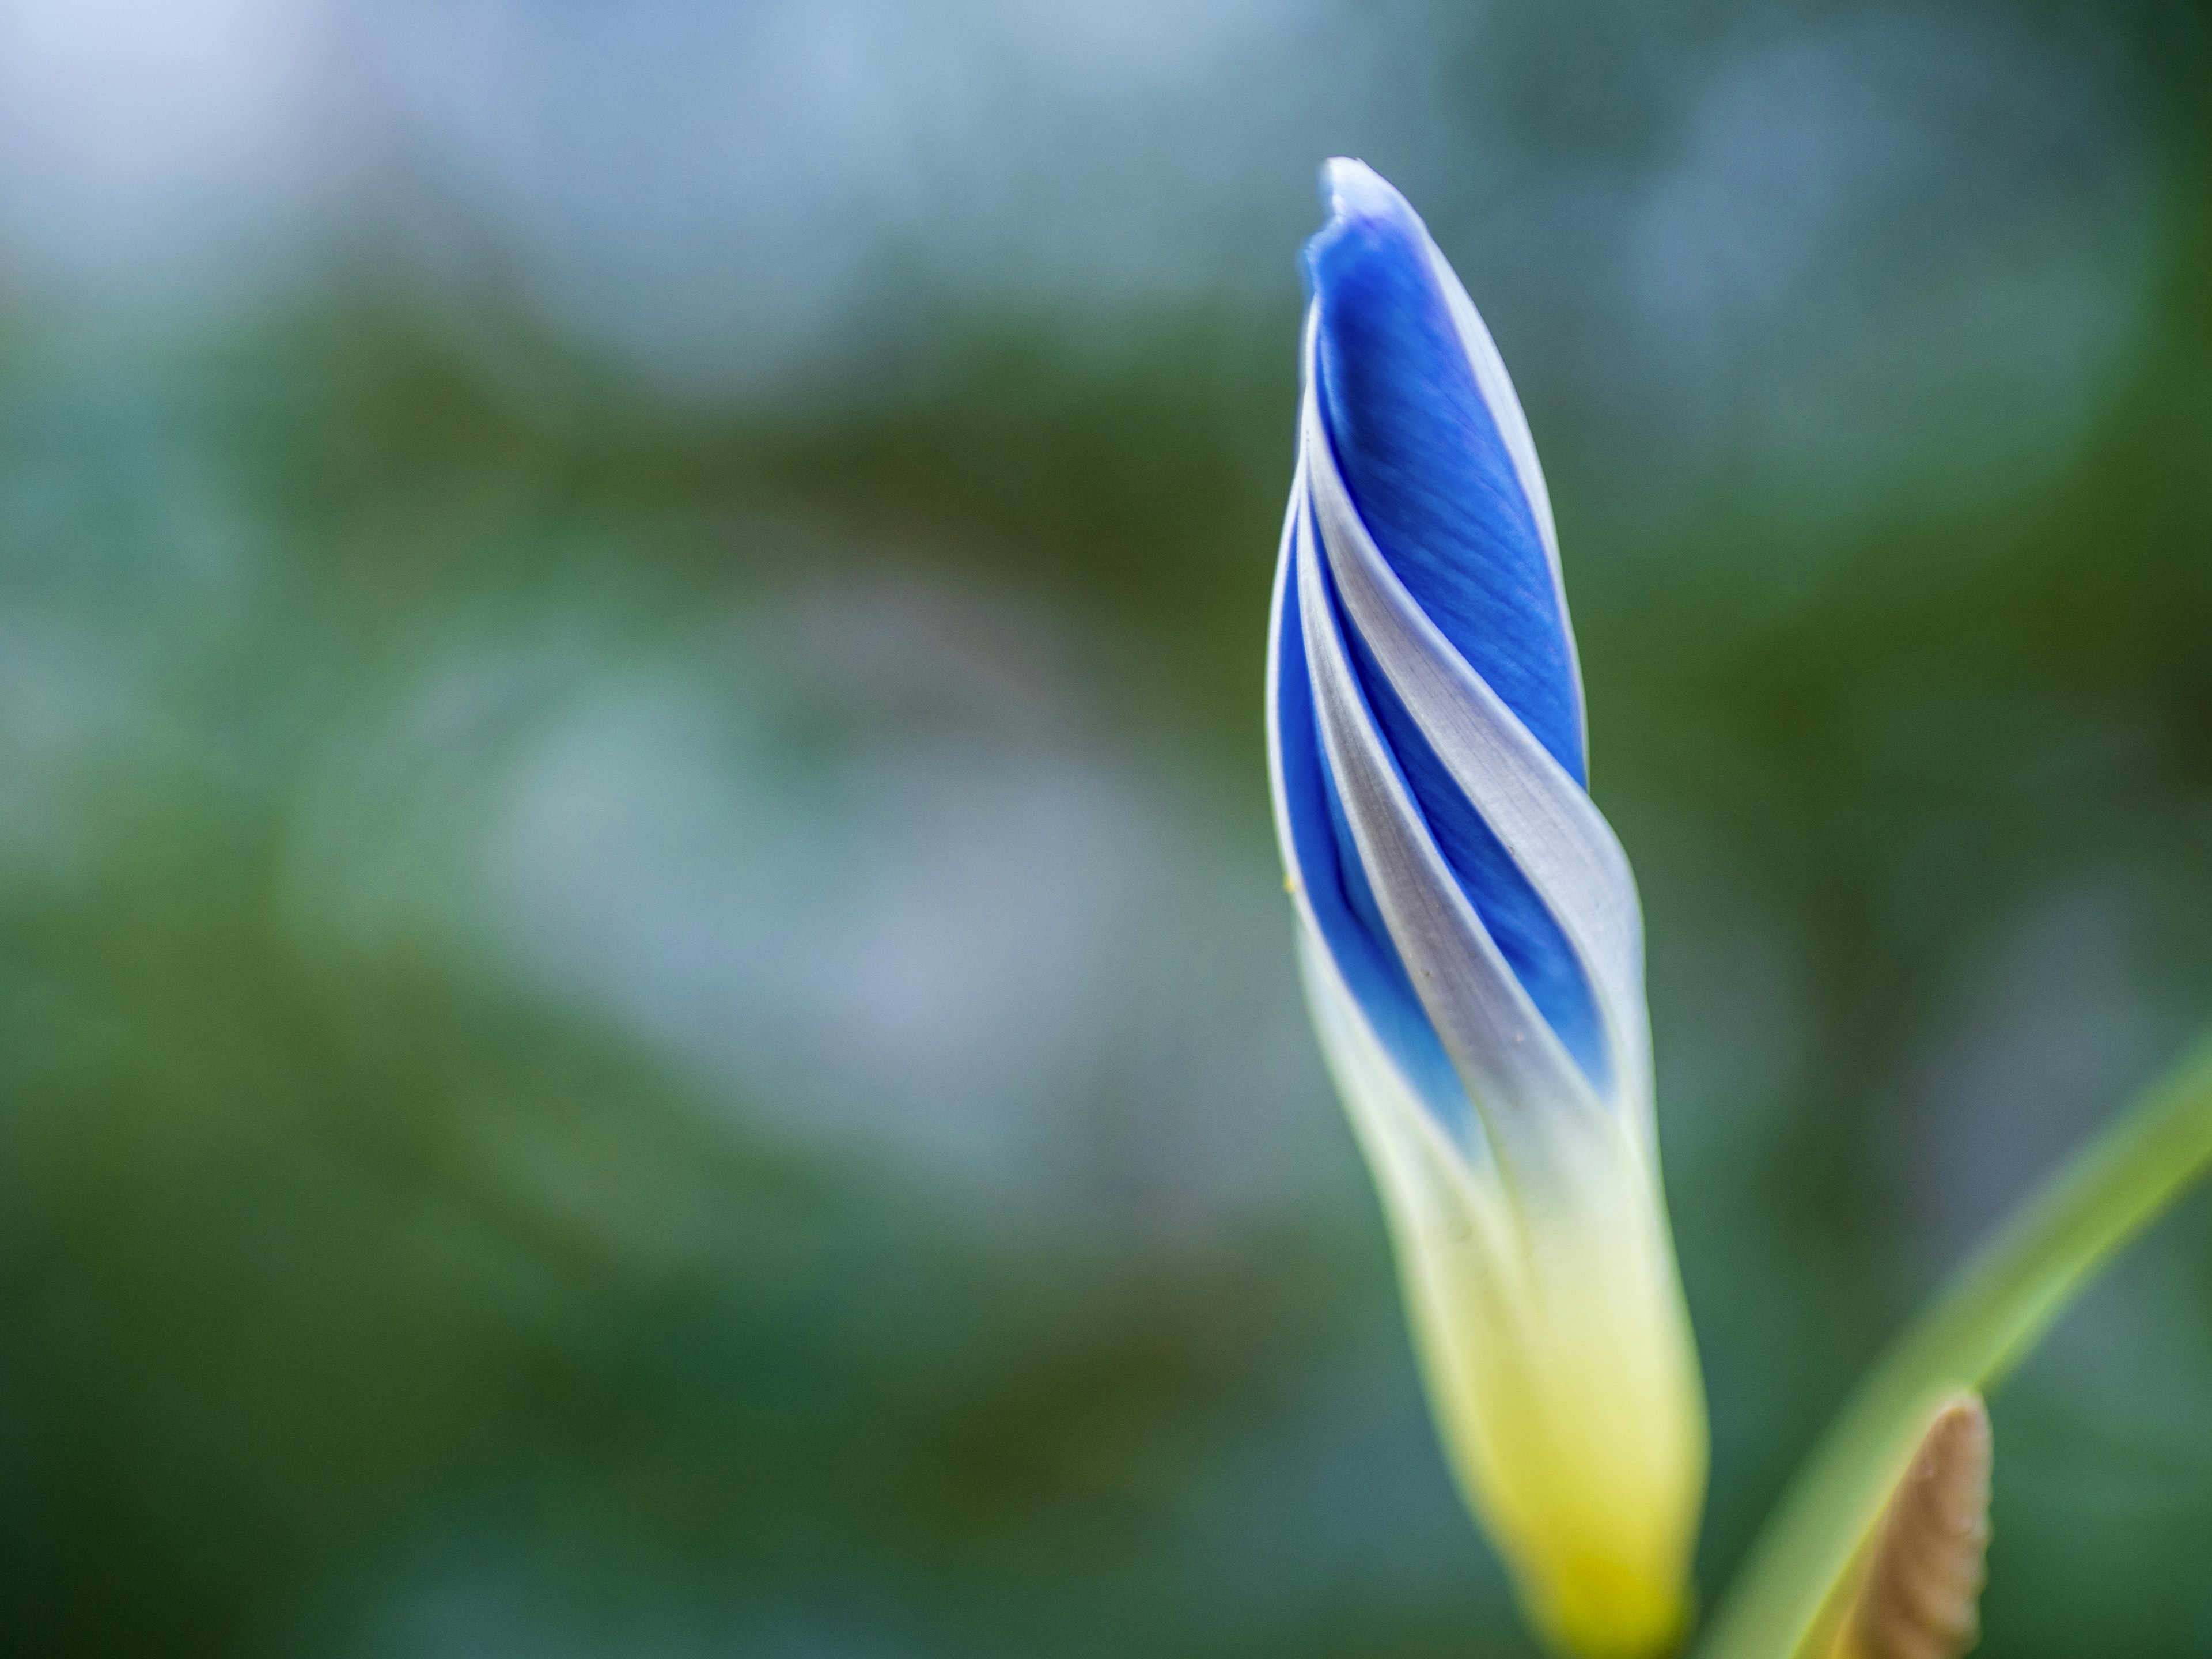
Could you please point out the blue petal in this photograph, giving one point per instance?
(1337, 890)
(1420, 452)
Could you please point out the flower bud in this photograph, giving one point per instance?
(1471, 939)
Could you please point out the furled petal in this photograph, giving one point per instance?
(1539, 818)
(1410, 410)
(1471, 936)
(1458, 509)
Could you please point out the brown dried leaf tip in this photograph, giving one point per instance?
(1922, 1593)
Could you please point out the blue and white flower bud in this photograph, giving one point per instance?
(1471, 939)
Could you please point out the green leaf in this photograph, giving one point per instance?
(1984, 1323)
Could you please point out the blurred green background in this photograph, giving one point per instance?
(645, 1005)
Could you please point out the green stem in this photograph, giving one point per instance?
(1982, 1324)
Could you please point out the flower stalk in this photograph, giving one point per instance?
(1989, 1317)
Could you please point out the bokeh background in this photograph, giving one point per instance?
(645, 1005)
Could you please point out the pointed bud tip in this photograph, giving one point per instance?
(1350, 189)
(1366, 216)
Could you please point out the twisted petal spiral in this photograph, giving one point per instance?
(1470, 933)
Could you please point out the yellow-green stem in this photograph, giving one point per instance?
(1979, 1325)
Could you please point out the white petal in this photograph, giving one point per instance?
(1405, 1147)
